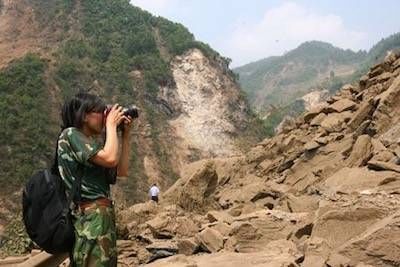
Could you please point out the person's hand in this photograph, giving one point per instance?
(115, 116)
(128, 122)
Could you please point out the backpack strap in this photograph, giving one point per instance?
(75, 195)
(54, 167)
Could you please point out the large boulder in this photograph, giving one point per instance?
(378, 245)
(186, 226)
(361, 114)
(340, 225)
(335, 122)
(302, 203)
(381, 165)
(391, 136)
(243, 192)
(378, 69)
(195, 193)
(245, 236)
(355, 180)
(127, 253)
(383, 156)
(388, 105)
(361, 152)
(340, 106)
(210, 240)
(288, 123)
(219, 216)
(311, 145)
(316, 252)
(188, 246)
(167, 225)
(162, 227)
(318, 119)
(223, 228)
(313, 113)
(257, 154)
(162, 249)
(139, 212)
(252, 232)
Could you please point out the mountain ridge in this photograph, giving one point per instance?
(282, 80)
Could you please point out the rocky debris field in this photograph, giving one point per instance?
(325, 191)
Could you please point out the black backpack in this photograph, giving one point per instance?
(47, 210)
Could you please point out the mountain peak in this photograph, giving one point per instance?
(316, 44)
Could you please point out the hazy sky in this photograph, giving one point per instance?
(254, 29)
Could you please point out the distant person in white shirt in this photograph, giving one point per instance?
(153, 192)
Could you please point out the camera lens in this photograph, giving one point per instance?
(132, 111)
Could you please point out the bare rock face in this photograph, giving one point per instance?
(18, 17)
(206, 95)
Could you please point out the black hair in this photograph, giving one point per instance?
(73, 113)
(74, 110)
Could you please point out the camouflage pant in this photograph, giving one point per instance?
(95, 238)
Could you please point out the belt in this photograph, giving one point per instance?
(102, 202)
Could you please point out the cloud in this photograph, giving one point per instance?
(157, 7)
(284, 28)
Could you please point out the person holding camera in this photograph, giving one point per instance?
(80, 155)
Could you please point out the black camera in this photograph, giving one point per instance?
(132, 111)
